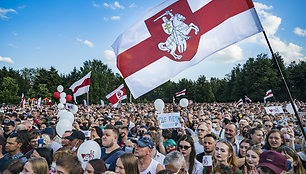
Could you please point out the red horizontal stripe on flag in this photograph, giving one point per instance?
(270, 93)
(217, 11)
(86, 82)
(208, 17)
(137, 57)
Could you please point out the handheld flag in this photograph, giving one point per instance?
(247, 99)
(268, 94)
(180, 93)
(117, 95)
(22, 103)
(240, 102)
(179, 34)
(81, 86)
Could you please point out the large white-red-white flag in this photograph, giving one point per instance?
(22, 102)
(268, 94)
(183, 92)
(117, 95)
(81, 86)
(179, 34)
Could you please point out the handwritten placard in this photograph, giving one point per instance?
(169, 120)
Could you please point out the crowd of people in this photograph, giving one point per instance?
(216, 138)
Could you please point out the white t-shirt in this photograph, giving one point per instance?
(197, 168)
(198, 148)
(159, 157)
(151, 168)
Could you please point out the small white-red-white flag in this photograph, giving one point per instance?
(81, 86)
(268, 94)
(240, 102)
(247, 99)
(180, 93)
(22, 103)
(117, 95)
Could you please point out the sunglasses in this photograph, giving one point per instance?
(184, 147)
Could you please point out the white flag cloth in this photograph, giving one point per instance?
(81, 86)
(179, 34)
(39, 102)
(85, 103)
(268, 94)
(102, 103)
(117, 95)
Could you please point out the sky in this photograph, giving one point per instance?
(65, 33)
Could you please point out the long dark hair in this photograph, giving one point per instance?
(299, 169)
(98, 165)
(46, 153)
(267, 145)
(192, 153)
(244, 141)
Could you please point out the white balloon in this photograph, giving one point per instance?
(60, 88)
(87, 151)
(289, 108)
(67, 116)
(184, 102)
(61, 113)
(74, 109)
(63, 100)
(159, 105)
(62, 126)
(60, 106)
(63, 95)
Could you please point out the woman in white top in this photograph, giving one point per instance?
(186, 147)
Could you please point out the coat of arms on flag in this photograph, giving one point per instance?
(117, 95)
(175, 31)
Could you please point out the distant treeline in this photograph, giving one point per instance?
(252, 79)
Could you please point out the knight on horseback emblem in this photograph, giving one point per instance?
(178, 31)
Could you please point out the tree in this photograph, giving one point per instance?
(8, 94)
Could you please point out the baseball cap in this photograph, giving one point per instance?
(76, 135)
(144, 142)
(273, 160)
(48, 130)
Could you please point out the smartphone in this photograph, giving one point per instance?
(40, 142)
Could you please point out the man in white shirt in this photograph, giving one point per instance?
(202, 131)
(146, 164)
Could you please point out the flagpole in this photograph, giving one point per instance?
(87, 98)
(286, 86)
(88, 104)
(130, 97)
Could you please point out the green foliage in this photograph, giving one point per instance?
(253, 79)
(8, 93)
